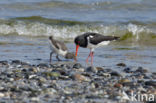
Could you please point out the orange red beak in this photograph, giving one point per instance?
(77, 47)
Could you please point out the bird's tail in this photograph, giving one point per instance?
(116, 38)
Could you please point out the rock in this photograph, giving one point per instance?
(141, 70)
(80, 77)
(118, 85)
(16, 62)
(106, 75)
(124, 80)
(51, 74)
(154, 73)
(35, 99)
(151, 83)
(1, 95)
(114, 73)
(107, 70)
(99, 68)
(128, 70)
(129, 84)
(42, 65)
(91, 69)
(19, 62)
(77, 66)
(4, 62)
(33, 69)
(63, 72)
(121, 64)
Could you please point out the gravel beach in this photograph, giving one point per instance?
(66, 82)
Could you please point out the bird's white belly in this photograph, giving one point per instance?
(58, 51)
(90, 45)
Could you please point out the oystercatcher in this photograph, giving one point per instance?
(92, 41)
(60, 48)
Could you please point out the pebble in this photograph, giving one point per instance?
(2, 95)
(114, 73)
(128, 70)
(43, 65)
(63, 82)
(4, 62)
(151, 83)
(141, 70)
(77, 66)
(80, 78)
(121, 64)
(91, 69)
(124, 80)
(35, 99)
(118, 85)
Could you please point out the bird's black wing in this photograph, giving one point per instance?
(98, 38)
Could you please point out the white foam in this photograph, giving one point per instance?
(68, 32)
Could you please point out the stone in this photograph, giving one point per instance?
(114, 73)
(2, 95)
(151, 83)
(4, 62)
(118, 85)
(43, 65)
(141, 70)
(77, 66)
(128, 70)
(121, 64)
(80, 77)
(91, 69)
(124, 80)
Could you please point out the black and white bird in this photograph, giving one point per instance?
(60, 48)
(92, 41)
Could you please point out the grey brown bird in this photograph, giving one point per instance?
(92, 41)
(60, 48)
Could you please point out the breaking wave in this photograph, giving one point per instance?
(67, 30)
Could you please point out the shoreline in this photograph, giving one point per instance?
(72, 82)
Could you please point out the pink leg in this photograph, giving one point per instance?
(92, 53)
(88, 57)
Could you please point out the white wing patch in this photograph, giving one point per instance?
(91, 46)
(90, 36)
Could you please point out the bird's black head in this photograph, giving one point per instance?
(81, 41)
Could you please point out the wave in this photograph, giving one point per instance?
(81, 4)
(133, 32)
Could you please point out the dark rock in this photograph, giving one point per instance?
(63, 72)
(114, 73)
(43, 65)
(128, 70)
(107, 70)
(4, 62)
(130, 84)
(91, 69)
(16, 62)
(121, 64)
(24, 70)
(19, 62)
(151, 83)
(141, 70)
(154, 73)
(77, 66)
